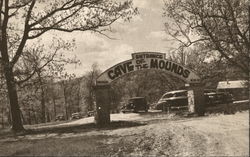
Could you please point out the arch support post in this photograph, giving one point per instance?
(196, 100)
(102, 98)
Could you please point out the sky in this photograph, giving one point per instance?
(145, 32)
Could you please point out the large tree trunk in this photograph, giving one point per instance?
(14, 106)
(8, 72)
(11, 86)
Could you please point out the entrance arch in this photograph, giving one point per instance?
(146, 61)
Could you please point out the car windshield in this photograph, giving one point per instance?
(167, 95)
(178, 94)
(136, 100)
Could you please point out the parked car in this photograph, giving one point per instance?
(90, 113)
(135, 104)
(173, 100)
(214, 98)
(178, 99)
(76, 115)
(210, 91)
(60, 118)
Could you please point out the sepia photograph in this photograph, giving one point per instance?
(124, 78)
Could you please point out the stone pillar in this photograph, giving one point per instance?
(196, 102)
(102, 97)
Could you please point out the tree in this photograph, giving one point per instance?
(34, 18)
(89, 81)
(221, 26)
(53, 96)
(67, 88)
(40, 68)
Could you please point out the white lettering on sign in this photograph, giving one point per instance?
(142, 55)
(148, 60)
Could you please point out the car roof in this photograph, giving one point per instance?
(137, 98)
(175, 91)
(210, 90)
(211, 93)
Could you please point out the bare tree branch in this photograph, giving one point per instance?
(236, 23)
(221, 23)
(25, 35)
(62, 8)
(37, 69)
(84, 28)
(20, 5)
(218, 47)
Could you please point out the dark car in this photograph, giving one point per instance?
(90, 113)
(76, 115)
(178, 99)
(60, 118)
(135, 104)
(173, 100)
(214, 98)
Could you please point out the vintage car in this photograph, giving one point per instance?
(90, 113)
(76, 115)
(135, 104)
(60, 118)
(173, 100)
(178, 99)
(214, 98)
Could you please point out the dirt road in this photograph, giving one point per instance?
(160, 135)
(217, 135)
(223, 135)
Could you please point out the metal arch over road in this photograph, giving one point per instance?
(148, 60)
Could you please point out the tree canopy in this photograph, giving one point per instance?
(219, 25)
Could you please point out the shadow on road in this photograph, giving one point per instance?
(78, 128)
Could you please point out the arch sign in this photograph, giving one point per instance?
(147, 60)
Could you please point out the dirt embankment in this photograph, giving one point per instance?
(223, 135)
